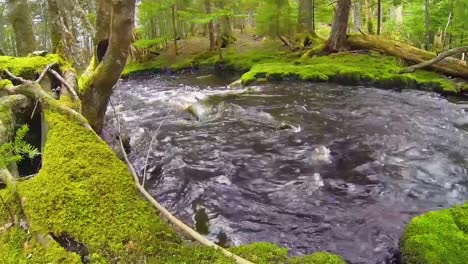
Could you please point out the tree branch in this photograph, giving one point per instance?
(72, 91)
(435, 60)
(15, 78)
(44, 72)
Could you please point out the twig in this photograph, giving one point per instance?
(34, 110)
(44, 72)
(66, 84)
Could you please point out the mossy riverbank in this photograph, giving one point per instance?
(260, 60)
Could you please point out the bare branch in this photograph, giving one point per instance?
(72, 91)
(14, 77)
(44, 72)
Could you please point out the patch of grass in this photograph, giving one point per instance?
(437, 237)
(318, 258)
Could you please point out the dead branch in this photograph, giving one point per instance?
(72, 91)
(14, 77)
(435, 60)
(44, 72)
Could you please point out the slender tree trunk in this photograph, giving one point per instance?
(174, 27)
(357, 15)
(305, 16)
(337, 40)
(370, 26)
(426, 14)
(210, 25)
(20, 18)
(379, 17)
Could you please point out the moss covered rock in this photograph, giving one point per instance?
(437, 237)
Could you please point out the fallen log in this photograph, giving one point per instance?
(435, 60)
(449, 66)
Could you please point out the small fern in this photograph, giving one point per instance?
(16, 150)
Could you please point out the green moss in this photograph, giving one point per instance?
(437, 237)
(374, 69)
(262, 253)
(86, 76)
(318, 258)
(5, 83)
(84, 190)
(29, 67)
(11, 245)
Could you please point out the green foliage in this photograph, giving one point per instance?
(437, 237)
(14, 152)
(277, 17)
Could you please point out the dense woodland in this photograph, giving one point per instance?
(60, 61)
(431, 25)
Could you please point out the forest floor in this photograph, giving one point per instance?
(260, 58)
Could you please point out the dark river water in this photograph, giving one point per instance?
(307, 166)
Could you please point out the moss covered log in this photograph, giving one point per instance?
(450, 66)
(437, 237)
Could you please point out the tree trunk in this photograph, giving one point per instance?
(370, 26)
(56, 35)
(95, 96)
(379, 16)
(210, 25)
(357, 15)
(305, 16)
(449, 66)
(426, 15)
(337, 40)
(20, 18)
(174, 29)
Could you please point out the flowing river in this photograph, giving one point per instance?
(307, 166)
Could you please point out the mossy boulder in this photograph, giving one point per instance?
(437, 237)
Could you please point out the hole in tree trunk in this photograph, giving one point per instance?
(29, 166)
(102, 49)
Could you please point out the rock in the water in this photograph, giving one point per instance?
(321, 153)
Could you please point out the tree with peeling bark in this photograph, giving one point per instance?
(338, 36)
(20, 17)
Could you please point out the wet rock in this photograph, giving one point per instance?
(236, 84)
